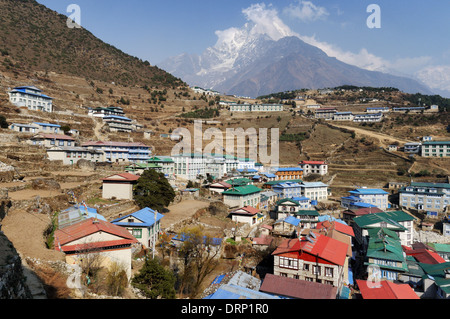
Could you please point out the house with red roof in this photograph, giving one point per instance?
(314, 257)
(425, 256)
(351, 213)
(385, 290)
(51, 140)
(314, 167)
(247, 215)
(119, 186)
(96, 238)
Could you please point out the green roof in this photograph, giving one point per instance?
(440, 247)
(157, 159)
(392, 218)
(308, 212)
(239, 181)
(242, 190)
(284, 200)
(375, 232)
(438, 272)
(436, 143)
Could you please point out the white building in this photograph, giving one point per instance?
(376, 197)
(314, 167)
(256, 108)
(189, 166)
(121, 151)
(431, 197)
(71, 155)
(315, 190)
(32, 98)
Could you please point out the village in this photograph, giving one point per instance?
(229, 227)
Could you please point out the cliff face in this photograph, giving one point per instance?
(12, 279)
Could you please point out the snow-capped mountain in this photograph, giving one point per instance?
(251, 61)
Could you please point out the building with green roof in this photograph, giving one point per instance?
(385, 253)
(242, 196)
(436, 149)
(436, 280)
(442, 250)
(400, 222)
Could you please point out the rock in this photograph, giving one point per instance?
(45, 184)
(86, 165)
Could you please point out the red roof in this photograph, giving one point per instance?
(363, 211)
(88, 227)
(345, 229)
(296, 288)
(247, 210)
(263, 240)
(385, 290)
(123, 177)
(312, 162)
(425, 256)
(326, 248)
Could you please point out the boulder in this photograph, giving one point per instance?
(45, 184)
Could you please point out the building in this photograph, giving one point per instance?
(314, 167)
(412, 148)
(326, 113)
(119, 186)
(316, 191)
(48, 127)
(290, 207)
(32, 98)
(71, 155)
(77, 213)
(93, 238)
(288, 173)
(378, 109)
(118, 123)
(101, 112)
(409, 109)
(190, 166)
(436, 149)
(431, 197)
(121, 152)
(396, 221)
(385, 290)
(247, 215)
(385, 259)
(24, 128)
(343, 116)
(315, 258)
(256, 107)
(51, 140)
(219, 187)
(242, 196)
(436, 281)
(287, 189)
(165, 162)
(351, 213)
(367, 117)
(144, 225)
(376, 197)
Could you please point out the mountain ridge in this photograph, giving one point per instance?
(288, 55)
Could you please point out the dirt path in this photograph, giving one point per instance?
(383, 138)
(181, 211)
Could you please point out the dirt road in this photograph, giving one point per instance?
(182, 211)
(384, 139)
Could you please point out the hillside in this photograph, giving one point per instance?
(35, 38)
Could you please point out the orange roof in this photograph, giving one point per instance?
(55, 137)
(345, 229)
(247, 210)
(123, 177)
(386, 290)
(88, 227)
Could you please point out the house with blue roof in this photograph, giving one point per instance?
(144, 225)
(77, 213)
(32, 98)
(361, 196)
(48, 127)
(118, 123)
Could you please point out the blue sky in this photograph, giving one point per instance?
(413, 38)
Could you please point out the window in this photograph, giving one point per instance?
(137, 233)
(329, 272)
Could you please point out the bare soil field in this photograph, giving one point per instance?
(181, 211)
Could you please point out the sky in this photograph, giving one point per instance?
(405, 37)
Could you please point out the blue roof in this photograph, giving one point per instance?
(248, 170)
(269, 175)
(230, 291)
(363, 205)
(22, 89)
(288, 169)
(368, 191)
(286, 185)
(47, 124)
(292, 220)
(117, 117)
(300, 199)
(323, 218)
(146, 215)
(352, 198)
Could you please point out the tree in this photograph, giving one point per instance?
(199, 256)
(155, 281)
(153, 190)
(3, 122)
